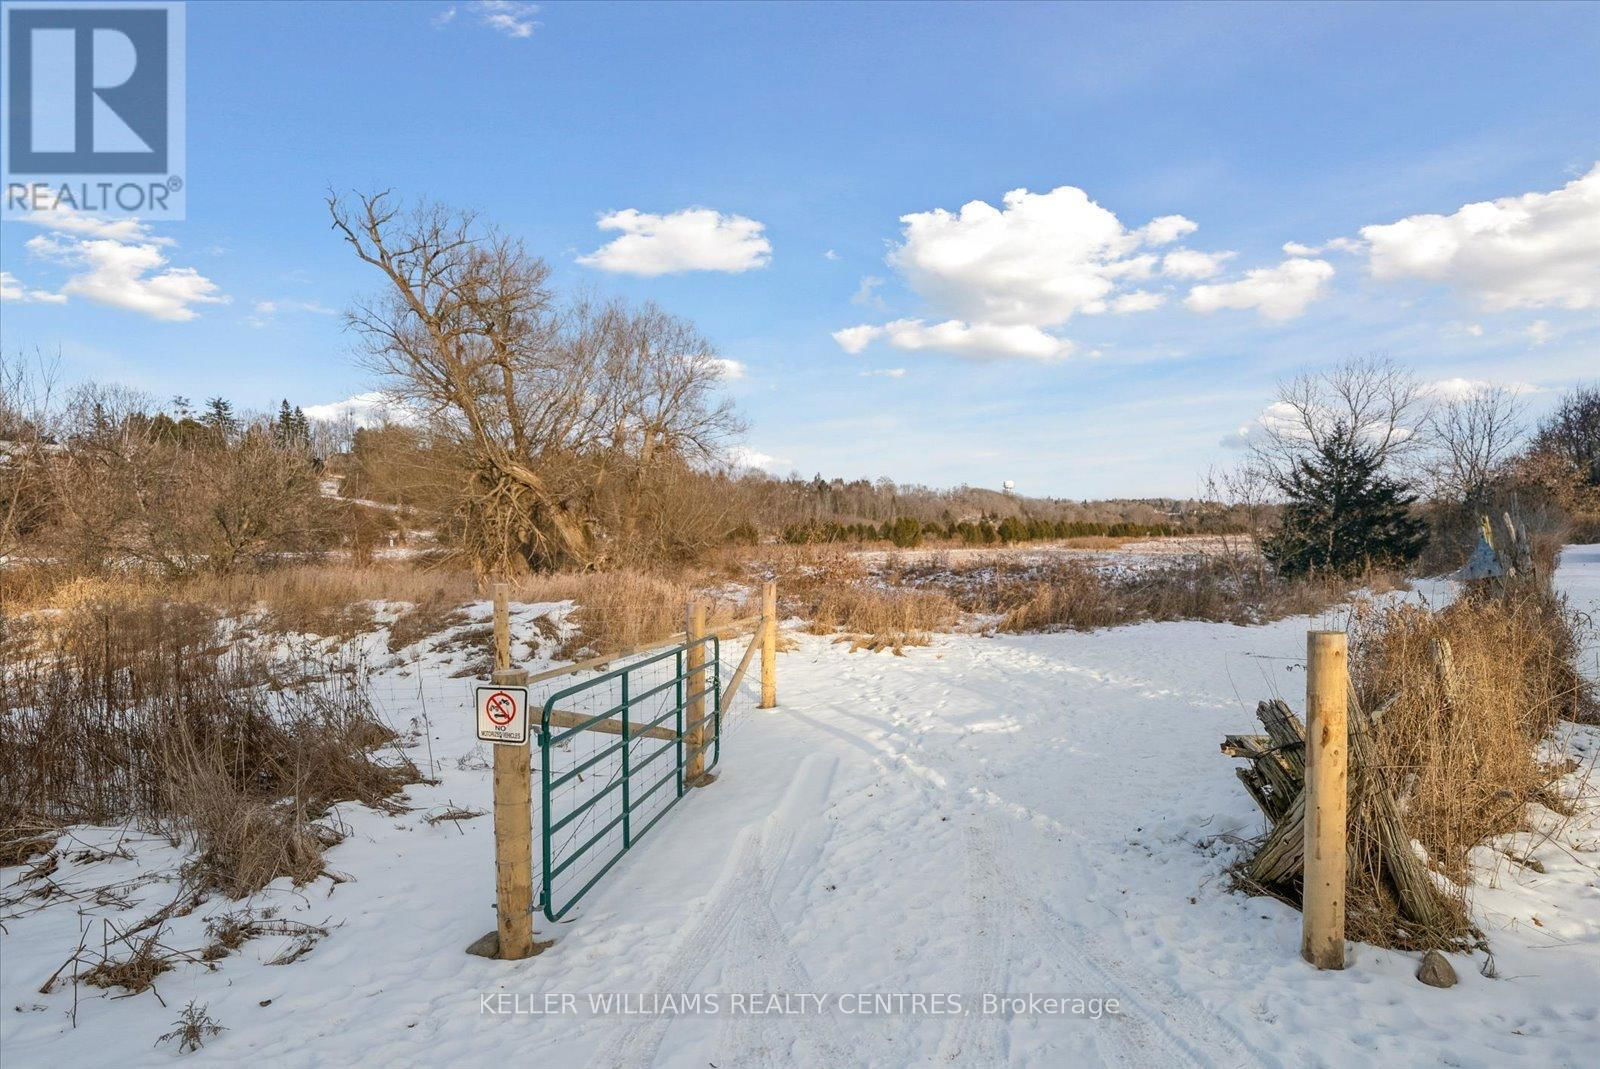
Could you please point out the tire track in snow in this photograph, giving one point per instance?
(762, 960)
(975, 1039)
(740, 909)
(1169, 1027)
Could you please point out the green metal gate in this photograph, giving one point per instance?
(601, 798)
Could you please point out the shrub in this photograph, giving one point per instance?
(145, 710)
(1470, 692)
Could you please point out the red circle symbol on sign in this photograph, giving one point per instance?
(501, 708)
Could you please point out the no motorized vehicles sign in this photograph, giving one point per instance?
(503, 715)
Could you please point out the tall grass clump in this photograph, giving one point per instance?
(1474, 688)
(1467, 695)
(877, 618)
(145, 711)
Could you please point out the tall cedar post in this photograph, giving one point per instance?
(513, 809)
(1327, 758)
(695, 687)
(769, 644)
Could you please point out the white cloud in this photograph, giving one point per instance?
(1138, 301)
(1002, 277)
(119, 262)
(444, 18)
(1187, 263)
(510, 17)
(1475, 329)
(1538, 250)
(745, 457)
(72, 221)
(980, 341)
(1166, 229)
(1278, 293)
(854, 339)
(864, 294)
(12, 289)
(1295, 248)
(264, 313)
(1539, 332)
(695, 239)
(1037, 261)
(128, 274)
(364, 410)
(1460, 389)
(1278, 418)
(884, 373)
(729, 370)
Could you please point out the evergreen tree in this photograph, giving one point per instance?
(283, 426)
(220, 418)
(291, 429)
(1343, 514)
(906, 532)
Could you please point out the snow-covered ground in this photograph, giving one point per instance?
(1038, 814)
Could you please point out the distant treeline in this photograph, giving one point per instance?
(906, 531)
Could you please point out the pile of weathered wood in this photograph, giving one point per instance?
(1383, 864)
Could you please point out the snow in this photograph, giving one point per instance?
(1034, 814)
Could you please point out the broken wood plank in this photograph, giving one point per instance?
(1282, 854)
(1420, 899)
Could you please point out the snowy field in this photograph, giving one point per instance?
(1037, 553)
(1036, 814)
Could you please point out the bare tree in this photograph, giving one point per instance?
(135, 488)
(565, 411)
(1571, 433)
(1474, 436)
(1374, 401)
(27, 446)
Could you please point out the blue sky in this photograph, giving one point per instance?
(1015, 341)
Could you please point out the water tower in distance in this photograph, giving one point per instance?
(1008, 486)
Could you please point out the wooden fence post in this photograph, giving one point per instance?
(769, 644)
(513, 809)
(695, 686)
(1327, 759)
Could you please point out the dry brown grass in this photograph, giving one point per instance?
(882, 618)
(622, 609)
(1472, 690)
(422, 620)
(902, 599)
(615, 609)
(1476, 685)
(325, 598)
(147, 711)
(192, 1028)
(835, 591)
(329, 599)
(1076, 595)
